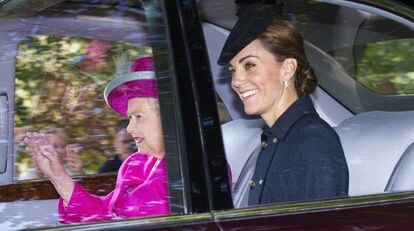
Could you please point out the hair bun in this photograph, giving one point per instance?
(308, 81)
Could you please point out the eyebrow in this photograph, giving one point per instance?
(246, 57)
(129, 112)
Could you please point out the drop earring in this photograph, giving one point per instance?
(286, 84)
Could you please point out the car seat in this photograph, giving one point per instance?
(240, 138)
(378, 147)
(379, 151)
(402, 176)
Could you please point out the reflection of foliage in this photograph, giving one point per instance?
(387, 67)
(60, 83)
(305, 14)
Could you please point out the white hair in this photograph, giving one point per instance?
(154, 104)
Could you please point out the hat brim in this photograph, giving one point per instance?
(253, 20)
(243, 33)
(127, 86)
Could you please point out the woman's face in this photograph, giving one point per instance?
(59, 142)
(122, 144)
(145, 126)
(257, 78)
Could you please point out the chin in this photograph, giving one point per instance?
(251, 111)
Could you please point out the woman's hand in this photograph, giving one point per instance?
(44, 155)
(47, 160)
(73, 160)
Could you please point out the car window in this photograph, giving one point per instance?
(369, 51)
(59, 83)
(224, 114)
(58, 58)
(379, 57)
(362, 56)
(385, 67)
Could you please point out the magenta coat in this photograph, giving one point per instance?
(140, 190)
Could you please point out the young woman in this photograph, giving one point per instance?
(301, 157)
(141, 185)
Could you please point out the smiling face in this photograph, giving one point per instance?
(265, 85)
(256, 78)
(145, 126)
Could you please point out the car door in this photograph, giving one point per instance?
(341, 39)
(372, 211)
(58, 57)
(197, 172)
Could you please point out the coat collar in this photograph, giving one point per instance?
(301, 107)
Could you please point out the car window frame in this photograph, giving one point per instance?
(197, 113)
(214, 216)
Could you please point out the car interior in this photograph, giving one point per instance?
(377, 137)
(377, 140)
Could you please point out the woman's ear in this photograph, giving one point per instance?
(289, 68)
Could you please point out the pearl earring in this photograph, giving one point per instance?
(286, 83)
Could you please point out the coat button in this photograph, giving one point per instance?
(274, 140)
(264, 144)
(252, 184)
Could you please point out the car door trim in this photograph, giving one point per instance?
(313, 206)
(3, 132)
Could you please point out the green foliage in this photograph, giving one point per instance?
(60, 83)
(387, 67)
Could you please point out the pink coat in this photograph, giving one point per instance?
(140, 190)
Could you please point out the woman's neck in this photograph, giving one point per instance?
(158, 155)
(271, 116)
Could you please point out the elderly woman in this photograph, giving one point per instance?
(141, 185)
(301, 156)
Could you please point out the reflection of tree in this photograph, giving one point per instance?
(60, 83)
(387, 67)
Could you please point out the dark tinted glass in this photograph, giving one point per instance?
(360, 53)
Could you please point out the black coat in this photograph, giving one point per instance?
(112, 164)
(301, 159)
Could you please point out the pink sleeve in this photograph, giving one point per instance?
(83, 207)
(151, 198)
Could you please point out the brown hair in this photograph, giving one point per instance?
(284, 41)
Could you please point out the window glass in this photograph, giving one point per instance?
(360, 55)
(386, 67)
(224, 114)
(59, 57)
(380, 58)
(59, 88)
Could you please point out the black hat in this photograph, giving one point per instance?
(254, 17)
